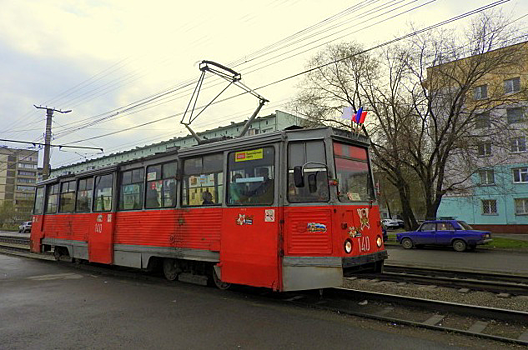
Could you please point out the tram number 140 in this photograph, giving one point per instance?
(364, 244)
(98, 228)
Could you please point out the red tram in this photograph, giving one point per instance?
(288, 210)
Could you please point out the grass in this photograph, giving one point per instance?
(498, 243)
(506, 243)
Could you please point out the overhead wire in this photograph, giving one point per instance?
(63, 132)
(389, 42)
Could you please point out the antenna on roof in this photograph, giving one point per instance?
(233, 78)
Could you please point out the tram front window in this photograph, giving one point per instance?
(353, 175)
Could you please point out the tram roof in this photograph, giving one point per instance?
(227, 144)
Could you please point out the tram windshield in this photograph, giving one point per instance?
(353, 173)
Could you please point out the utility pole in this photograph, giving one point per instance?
(47, 138)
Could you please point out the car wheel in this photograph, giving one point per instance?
(459, 245)
(407, 243)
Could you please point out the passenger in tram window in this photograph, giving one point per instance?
(207, 198)
(152, 196)
(264, 192)
(237, 193)
(172, 193)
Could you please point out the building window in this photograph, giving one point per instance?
(131, 195)
(521, 206)
(480, 92)
(487, 177)
(26, 173)
(27, 166)
(515, 115)
(161, 186)
(484, 149)
(26, 180)
(482, 121)
(520, 175)
(518, 144)
(512, 85)
(489, 207)
(67, 197)
(25, 188)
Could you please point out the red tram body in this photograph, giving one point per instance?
(288, 210)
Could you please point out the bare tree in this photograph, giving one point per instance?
(425, 105)
(448, 100)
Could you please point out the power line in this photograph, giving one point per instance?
(348, 11)
(390, 42)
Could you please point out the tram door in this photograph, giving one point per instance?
(100, 239)
(250, 230)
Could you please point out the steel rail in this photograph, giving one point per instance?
(492, 286)
(378, 306)
(345, 301)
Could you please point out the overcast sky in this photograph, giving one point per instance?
(98, 57)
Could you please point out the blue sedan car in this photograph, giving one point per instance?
(453, 233)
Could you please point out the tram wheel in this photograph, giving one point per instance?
(219, 283)
(58, 252)
(459, 245)
(171, 269)
(407, 243)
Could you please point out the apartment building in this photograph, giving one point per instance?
(495, 193)
(18, 176)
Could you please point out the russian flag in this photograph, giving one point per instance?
(360, 116)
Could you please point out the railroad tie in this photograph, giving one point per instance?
(384, 311)
(433, 320)
(524, 336)
(478, 327)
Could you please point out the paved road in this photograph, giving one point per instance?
(46, 305)
(496, 261)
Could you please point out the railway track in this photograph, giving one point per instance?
(490, 323)
(14, 244)
(494, 283)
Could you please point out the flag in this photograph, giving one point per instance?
(357, 116)
(347, 113)
(363, 116)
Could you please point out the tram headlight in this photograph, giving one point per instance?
(379, 241)
(348, 246)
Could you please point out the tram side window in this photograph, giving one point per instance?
(161, 186)
(84, 195)
(67, 197)
(353, 173)
(312, 157)
(203, 180)
(39, 202)
(251, 177)
(53, 199)
(131, 195)
(103, 192)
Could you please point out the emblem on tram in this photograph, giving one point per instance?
(244, 219)
(315, 227)
(363, 218)
(353, 232)
(100, 218)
